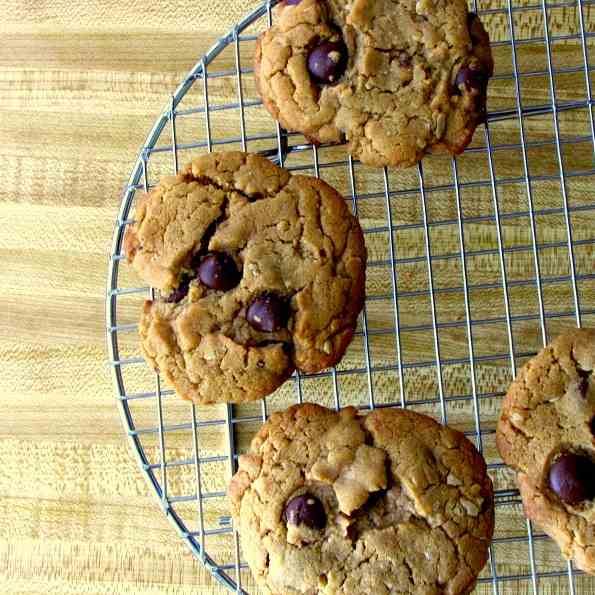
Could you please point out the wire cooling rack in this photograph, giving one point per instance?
(474, 263)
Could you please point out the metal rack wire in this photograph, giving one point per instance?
(434, 334)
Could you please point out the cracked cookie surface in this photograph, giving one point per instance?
(546, 433)
(335, 502)
(396, 79)
(261, 272)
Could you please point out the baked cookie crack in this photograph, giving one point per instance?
(555, 469)
(260, 272)
(320, 68)
(331, 490)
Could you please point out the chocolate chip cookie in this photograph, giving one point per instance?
(261, 272)
(336, 502)
(546, 433)
(396, 79)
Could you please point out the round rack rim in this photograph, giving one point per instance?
(112, 275)
(199, 72)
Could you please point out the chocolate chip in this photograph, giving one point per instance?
(179, 293)
(572, 478)
(583, 381)
(267, 313)
(471, 79)
(327, 61)
(218, 271)
(306, 510)
(592, 426)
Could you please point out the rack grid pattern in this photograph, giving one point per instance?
(474, 264)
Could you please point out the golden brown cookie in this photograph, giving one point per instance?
(546, 433)
(396, 79)
(262, 272)
(391, 502)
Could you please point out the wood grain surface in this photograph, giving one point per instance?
(81, 85)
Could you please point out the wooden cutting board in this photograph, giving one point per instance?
(81, 84)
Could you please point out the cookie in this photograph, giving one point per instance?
(261, 272)
(546, 433)
(395, 78)
(336, 502)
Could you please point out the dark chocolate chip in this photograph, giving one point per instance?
(471, 79)
(327, 61)
(179, 293)
(218, 271)
(572, 478)
(583, 381)
(306, 510)
(592, 426)
(267, 313)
